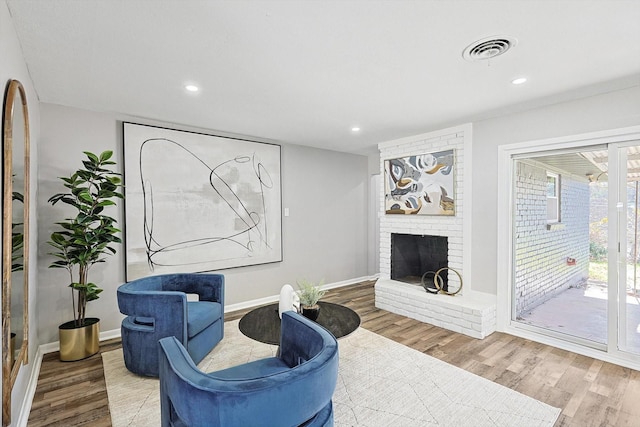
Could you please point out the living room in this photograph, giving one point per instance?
(331, 207)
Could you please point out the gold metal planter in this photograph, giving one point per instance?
(78, 343)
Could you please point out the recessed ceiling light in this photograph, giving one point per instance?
(355, 129)
(191, 88)
(519, 80)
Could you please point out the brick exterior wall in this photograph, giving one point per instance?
(541, 251)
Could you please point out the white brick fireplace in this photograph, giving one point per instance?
(471, 313)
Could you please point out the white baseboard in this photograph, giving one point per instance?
(25, 409)
(108, 335)
(274, 298)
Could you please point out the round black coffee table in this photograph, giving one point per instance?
(263, 323)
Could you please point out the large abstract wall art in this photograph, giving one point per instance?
(196, 202)
(421, 184)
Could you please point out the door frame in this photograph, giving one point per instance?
(505, 267)
(618, 206)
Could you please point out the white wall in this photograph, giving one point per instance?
(325, 236)
(12, 66)
(611, 110)
(373, 235)
(65, 134)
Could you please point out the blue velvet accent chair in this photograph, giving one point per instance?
(156, 307)
(293, 389)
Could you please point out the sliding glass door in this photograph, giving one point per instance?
(560, 243)
(576, 245)
(626, 324)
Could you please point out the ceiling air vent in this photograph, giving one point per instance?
(488, 48)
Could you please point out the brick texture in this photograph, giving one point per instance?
(541, 251)
(470, 313)
(449, 226)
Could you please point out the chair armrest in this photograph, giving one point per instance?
(168, 310)
(301, 339)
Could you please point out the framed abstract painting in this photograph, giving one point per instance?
(196, 202)
(421, 184)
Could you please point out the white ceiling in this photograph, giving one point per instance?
(306, 72)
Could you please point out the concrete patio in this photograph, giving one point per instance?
(582, 312)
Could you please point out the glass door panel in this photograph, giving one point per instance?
(561, 245)
(629, 277)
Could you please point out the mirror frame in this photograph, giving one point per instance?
(10, 370)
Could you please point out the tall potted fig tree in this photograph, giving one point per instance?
(83, 241)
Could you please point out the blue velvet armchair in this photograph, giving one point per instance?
(292, 389)
(156, 307)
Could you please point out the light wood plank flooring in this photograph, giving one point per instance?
(590, 392)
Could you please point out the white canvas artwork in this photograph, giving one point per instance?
(196, 202)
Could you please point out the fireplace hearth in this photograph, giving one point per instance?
(414, 255)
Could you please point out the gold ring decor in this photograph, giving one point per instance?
(431, 289)
(440, 283)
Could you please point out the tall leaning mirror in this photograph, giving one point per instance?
(15, 240)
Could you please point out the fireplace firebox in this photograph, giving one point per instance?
(414, 255)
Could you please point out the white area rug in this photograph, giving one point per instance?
(381, 383)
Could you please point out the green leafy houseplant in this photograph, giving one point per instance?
(310, 293)
(90, 234)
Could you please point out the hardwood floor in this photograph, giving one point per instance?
(590, 392)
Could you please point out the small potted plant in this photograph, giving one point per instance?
(83, 241)
(310, 294)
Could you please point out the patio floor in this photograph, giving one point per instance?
(582, 312)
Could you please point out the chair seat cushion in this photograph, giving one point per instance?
(252, 370)
(200, 315)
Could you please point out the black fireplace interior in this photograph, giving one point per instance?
(413, 255)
